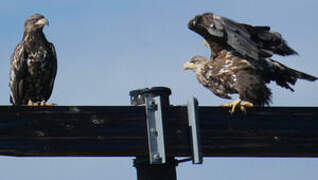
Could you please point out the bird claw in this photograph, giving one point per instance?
(236, 103)
(31, 103)
(50, 104)
(44, 103)
(246, 104)
(233, 105)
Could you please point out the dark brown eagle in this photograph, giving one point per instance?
(241, 62)
(33, 65)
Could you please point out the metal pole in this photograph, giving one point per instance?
(147, 171)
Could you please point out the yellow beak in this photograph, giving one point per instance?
(187, 66)
(42, 22)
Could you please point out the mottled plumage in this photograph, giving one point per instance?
(33, 64)
(240, 62)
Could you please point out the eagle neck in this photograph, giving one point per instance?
(34, 36)
(215, 49)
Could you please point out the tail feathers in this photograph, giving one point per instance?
(285, 76)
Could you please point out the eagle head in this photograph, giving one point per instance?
(195, 63)
(35, 22)
(207, 25)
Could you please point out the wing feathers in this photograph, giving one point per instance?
(283, 75)
(18, 70)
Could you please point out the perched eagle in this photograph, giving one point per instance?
(240, 61)
(33, 65)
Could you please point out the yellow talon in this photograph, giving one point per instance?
(50, 104)
(246, 104)
(30, 103)
(236, 103)
(233, 104)
(44, 103)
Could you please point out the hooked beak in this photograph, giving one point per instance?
(192, 23)
(42, 22)
(187, 66)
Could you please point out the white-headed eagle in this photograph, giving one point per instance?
(33, 65)
(240, 61)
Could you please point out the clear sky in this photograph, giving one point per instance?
(107, 48)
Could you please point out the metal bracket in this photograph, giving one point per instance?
(156, 144)
(137, 97)
(193, 120)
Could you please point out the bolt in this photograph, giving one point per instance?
(156, 156)
(153, 131)
(152, 106)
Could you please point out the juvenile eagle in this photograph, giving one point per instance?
(33, 65)
(240, 60)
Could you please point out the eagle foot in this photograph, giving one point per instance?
(44, 103)
(244, 105)
(233, 105)
(236, 103)
(31, 103)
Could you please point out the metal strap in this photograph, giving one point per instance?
(156, 144)
(193, 119)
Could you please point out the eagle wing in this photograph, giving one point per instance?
(272, 42)
(240, 39)
(53, 69)
(18, 70)
(249, 41)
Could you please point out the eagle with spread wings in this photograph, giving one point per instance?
(33, 65)
(240, 61)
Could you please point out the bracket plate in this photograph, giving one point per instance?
(156, 144)
(193, 119)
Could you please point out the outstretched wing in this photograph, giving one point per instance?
(18, 72)
(269, 41)
(249, 41)
(240, 39)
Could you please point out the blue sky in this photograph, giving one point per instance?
(107, 48)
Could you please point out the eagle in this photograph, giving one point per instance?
(240, 61)
(33, 65)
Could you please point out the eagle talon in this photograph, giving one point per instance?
(50, 104)
(246, 104)
(236, 103)
(233, 105)
(44, 103)
(30, 103)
